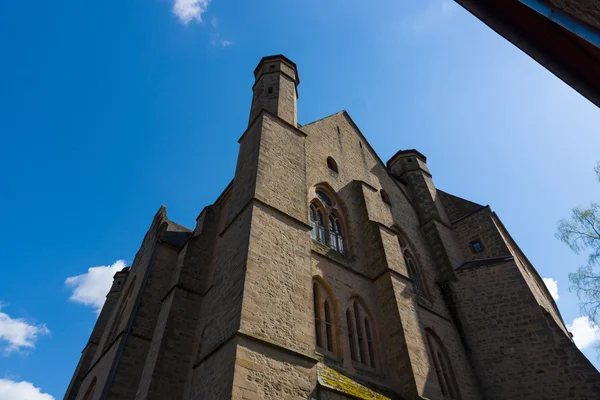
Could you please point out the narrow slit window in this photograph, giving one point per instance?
(328, 326)
(313, 223)
(340, 238)
(369, 343)
(440, 374)
(444, 369)
(317, 311)
(359, 334)
(412, 267)
(350, 322)
(321, 227)
(413, 274)
(332, 234)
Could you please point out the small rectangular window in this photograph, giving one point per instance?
(270, 90)
(476, 246)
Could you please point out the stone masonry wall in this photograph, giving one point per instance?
(376, 249)
(515, 351)
(281, 176)
(267, 373)
(144, 314)
(91, 348)
(278, 287)
(480, 226)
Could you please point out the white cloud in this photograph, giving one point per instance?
(584, 333)
(11, 390)
(18, 334)
(216, 41)
(90, 289)
(552, 286)
(214, 22)
(188, 10)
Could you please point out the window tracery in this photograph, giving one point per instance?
(360, 335)
(411, 267)
(326, 226)
(442, 366)
(325, 323)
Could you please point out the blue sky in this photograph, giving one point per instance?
(112, 108)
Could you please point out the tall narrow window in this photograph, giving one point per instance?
(313, 223)
(328, 326)
(443, 367)
(369, 343)
(321, 227)
(332, 234)
(339, 237)
(413, 274)
(350, 323)
(325, 317)
(360, 335)
(446, 377)
(439, 373)
(411, 268)
(317, 310)
(326, 227)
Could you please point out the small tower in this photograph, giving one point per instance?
(275, 88)
(411, 167)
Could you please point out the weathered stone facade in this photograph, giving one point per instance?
(323, 273)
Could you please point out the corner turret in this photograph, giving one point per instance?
(275, 88)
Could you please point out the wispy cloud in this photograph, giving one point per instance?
(215, 36)
(189, 10)
(584, 332)
(23, 390)
(433, 14)
(18, 334)
(90, 289)
(225, 43)
(552, 286)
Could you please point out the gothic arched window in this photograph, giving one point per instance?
(325, 321)
(443, 368)
(350, 323)
(317, 224)
(325, 224)
(360, 336)
(411, 267)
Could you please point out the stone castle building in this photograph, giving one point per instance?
(321, 272)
